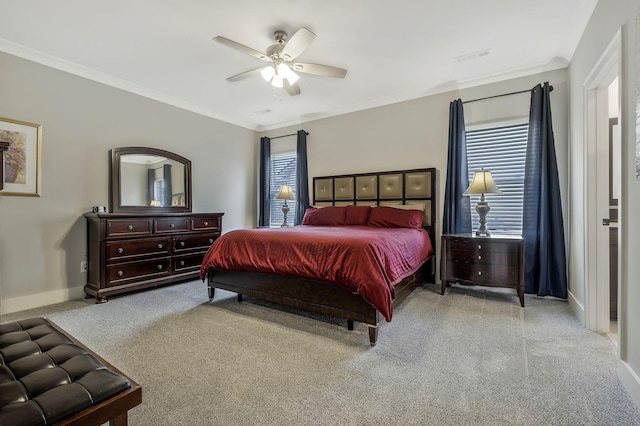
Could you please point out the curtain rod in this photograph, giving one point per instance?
(284, 136)
(504, 94)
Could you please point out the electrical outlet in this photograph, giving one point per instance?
(84, 266)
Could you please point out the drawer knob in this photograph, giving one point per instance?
(120, 250)
(210, 240)
(182, 263)
(479, 272)
(160, 267)
(172, 225)
(159, 246)
(181, 243)
(479, 257)
(130, 227)
(206, 223)
(120, 273)
(479, 246)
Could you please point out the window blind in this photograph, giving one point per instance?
(501, 150)
(283, 171)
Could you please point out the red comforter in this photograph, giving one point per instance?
(366, 260)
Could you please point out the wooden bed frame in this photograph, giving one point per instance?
(416, 186)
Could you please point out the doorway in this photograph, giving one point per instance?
(602, 184)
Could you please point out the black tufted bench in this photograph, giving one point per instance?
(48, 377)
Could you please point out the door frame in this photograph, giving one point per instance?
(596, 188)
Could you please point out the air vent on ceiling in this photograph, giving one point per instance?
(474, 55)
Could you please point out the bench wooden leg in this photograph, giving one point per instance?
(121, 420)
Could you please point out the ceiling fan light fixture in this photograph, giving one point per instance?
(283, 70)
(277, 81)
(292, 77)
(268, 73)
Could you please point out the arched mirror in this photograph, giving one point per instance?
(149, 180)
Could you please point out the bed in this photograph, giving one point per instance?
(245, 261)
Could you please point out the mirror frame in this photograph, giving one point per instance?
(114, 181)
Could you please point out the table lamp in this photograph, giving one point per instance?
(482, 183)
(285, 193)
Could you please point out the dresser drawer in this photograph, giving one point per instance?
(205, 223)
(126, 250)
(186, 243)
(187, 263)
(511, 257)
(129, 227)
(171, 224)
(482, 274)
(123, 273)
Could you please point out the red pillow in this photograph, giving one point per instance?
(325, 216)
(357, 215)
(388, 217)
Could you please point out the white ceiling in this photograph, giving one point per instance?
(393, 50)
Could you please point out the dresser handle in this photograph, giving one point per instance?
(171, 225)
(182, 263)
(206, 223)
(160, 267)
(479, 272)
(120, 250)
(130, 227)
(210, 240)
(159, 246)
(120, 273)
(181, 243)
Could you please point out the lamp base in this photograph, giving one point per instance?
(285, 212)
(482, 208)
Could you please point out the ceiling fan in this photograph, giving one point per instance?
(281, 71)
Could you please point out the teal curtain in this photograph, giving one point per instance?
(302, 178)
(264, 213)
(542, 223)
(457, 210)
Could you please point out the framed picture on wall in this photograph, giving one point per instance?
(23, 157)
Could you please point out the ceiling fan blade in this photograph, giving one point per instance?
(242, 48)
(317, 69)
(292, 89)
(297, 44)
(245, 74)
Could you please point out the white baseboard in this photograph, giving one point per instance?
(630, 381)
(577, 308)
(16, 304)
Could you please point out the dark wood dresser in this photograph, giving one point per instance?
(130, 252)
(492, 261)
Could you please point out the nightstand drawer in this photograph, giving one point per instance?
(486, 256)
(459, 244)
(483, 274)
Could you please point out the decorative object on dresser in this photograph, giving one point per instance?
(482, 183)
(492, 261)
(151, 237)
(285, 193)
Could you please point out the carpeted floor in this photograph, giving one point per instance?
(470, 357)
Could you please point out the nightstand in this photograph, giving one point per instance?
(492, 261)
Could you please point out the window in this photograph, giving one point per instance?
(283, 171)
(502, 150)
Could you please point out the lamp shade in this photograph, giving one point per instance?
(482, 183)
(285, 193)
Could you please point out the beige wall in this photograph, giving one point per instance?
(43, 239)
(609, 17)
(413, 134)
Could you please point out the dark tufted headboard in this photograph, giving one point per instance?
(417, 186)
